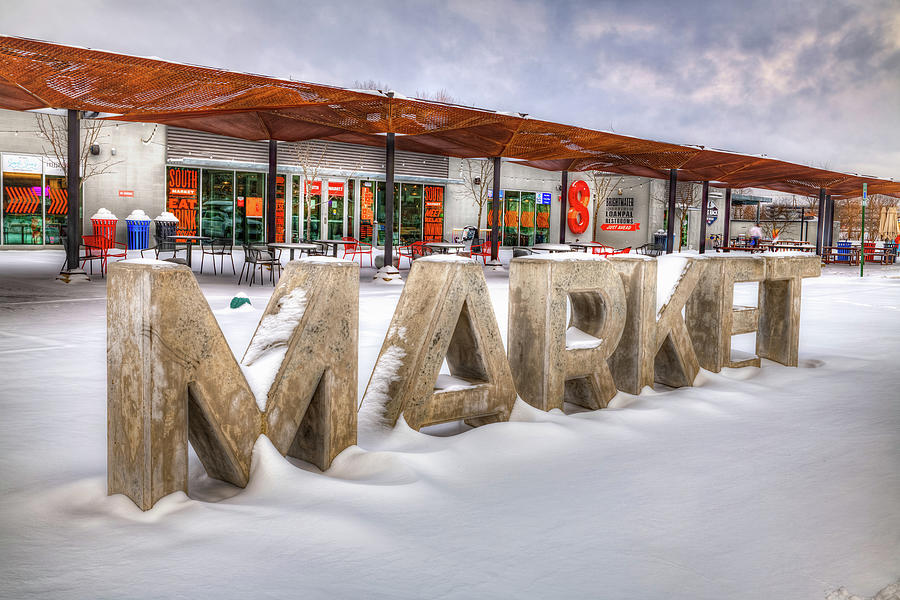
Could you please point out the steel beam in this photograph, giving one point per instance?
(389, 201)
(704, 211)
(270, 191)
(670, 222)
(495, 208)
(563, 206)
(73, 189)
(820, 222)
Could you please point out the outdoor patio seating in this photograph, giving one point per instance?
(650, 249)
(165, 245)
(412, 251)
(217, 247)
(323, 248)
(482, 249)
(261, 258)
(357, 248)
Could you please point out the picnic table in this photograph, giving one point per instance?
(750, 249)
(791, 246)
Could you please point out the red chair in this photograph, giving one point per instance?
(94, 249)
(603, 251)
(357, 248)
(482, 249)
(413, 251)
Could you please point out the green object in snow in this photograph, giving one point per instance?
(239, 301)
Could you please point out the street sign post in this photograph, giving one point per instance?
(862, 231)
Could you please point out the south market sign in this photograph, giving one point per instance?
(172, 377)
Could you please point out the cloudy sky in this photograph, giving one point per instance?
(810, 81)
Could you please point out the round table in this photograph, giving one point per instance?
(335, 243)
(445, 247)
(292, 246)
(553, 247)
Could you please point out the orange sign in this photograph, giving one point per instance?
(621, 227)
(543, 220)
(181, 198)
(335, 188)
(126, 193)
(433, 227)
(254, 206)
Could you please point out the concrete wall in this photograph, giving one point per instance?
(141, 170)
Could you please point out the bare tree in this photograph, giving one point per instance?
(603, 184)
(777, 215)
(687, 196)
(310, 160)
(371, 84)
(478, 175)
(55, 132)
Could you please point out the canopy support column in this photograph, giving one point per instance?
(820, 222)
(670, 222)
(270, 192)
(704, 211)
(495, 208)
(73, 179)
(389, 201)
(563, 206)
(829, 222)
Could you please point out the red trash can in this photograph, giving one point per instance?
(104, 223)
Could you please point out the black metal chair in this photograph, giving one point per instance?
(259, 257)
(322, 251)
(220, 247)
(166, 244)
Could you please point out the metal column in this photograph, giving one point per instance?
(829, 221)
(73, 191)
(670, 222)
(820, 223)
(704, 210)
(726, 234)
(389, 201)
(495, 208)
(270, 191)
(563, 206)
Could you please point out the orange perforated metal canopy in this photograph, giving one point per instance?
(39, 75)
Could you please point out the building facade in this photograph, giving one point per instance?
(216, 186)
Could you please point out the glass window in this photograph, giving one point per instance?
(379, 211)
(526, 219)
(279, 207)
(433, 228)
(542, 219)
(511, 219)
(249, 212)
(218, 204)
(23, 221)
(183, 198)
(351, 184)
(366, 210)
(336, 209)
(410, 213)
(306, 200)
(55, 207)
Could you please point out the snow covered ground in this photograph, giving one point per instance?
(757, 483)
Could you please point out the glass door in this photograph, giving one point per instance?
(306, 201)
(56, 198)
(542, 219)
(410, 213)
(511, 219)
(526, 220)
(217, 219)
(249, 216)
(336, 200)
(379, 212)
(366, 210)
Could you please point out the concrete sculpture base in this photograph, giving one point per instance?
(632, 362)
(778, 337)
(554, 358)
(676, 363)
(711, 315)
(444, 311)
(171, 376)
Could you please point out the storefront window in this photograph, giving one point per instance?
(511, 219)
(218, 204)
(23, 219)
(526, 218)
(335, 209)
(366, 210)
(249, 216)
(55, 207)
(410, 213)
(279, 207)
(183, 198)
(542, 219)
(433, 228)
(306, 202)
(379, 212)
(350, 207)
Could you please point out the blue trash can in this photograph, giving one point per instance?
(843, 255)
(659, 240)
(138, 230)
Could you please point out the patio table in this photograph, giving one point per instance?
(191, 240)
(445, 247)
(335, 243)
(301, 246)
(588, 246)
(553, 247)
